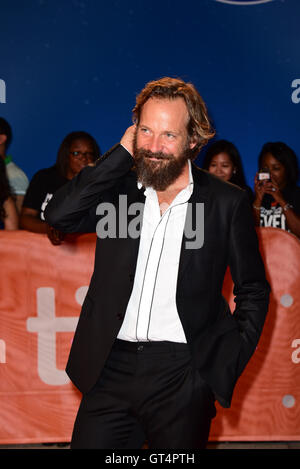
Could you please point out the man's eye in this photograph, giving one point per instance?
(169, 135)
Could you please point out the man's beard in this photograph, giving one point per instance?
(162, 172)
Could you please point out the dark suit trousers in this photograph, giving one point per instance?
(147, 391)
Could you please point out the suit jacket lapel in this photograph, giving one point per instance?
(194, 221)
(136, 203)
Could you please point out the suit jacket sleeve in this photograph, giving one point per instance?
(251, 289)
(72, 209)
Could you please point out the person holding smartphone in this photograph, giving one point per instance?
(277, 196)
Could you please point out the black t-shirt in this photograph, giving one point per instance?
(41, 189)
(272, 214)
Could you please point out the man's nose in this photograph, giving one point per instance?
(154, 144)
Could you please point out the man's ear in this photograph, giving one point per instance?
(3, 138)
(193, 141)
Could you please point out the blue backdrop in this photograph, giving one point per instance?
(78, 64)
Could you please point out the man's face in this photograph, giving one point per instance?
(161, 145)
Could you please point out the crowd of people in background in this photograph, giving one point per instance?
(275, 197)
(77, 150)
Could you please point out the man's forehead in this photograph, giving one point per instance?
(176, 107)
(165, 99)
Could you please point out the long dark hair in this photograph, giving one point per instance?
(5, 190)
(62, 160)
(224, 146)
(286, 156)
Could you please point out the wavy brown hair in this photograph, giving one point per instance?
(199, 126)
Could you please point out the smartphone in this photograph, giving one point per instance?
(264, 175)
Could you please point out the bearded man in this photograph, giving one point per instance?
(156, 343)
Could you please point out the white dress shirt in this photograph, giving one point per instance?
(151, 313)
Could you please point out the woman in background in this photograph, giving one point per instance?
(223, 160)
(277, 197)
(77, 150)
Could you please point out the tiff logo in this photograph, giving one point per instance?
(47, 325)
(2, 351)
(2, 92)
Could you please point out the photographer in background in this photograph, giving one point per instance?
(277, 196)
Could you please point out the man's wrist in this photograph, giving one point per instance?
(122, 144)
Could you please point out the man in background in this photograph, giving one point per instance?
(18, 180)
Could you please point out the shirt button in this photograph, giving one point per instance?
(140, 348)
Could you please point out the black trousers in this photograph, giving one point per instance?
(147, 391)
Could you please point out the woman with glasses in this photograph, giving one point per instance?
(77, 150)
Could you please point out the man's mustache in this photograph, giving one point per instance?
(157, 155)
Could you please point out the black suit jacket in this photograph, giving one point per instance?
(221, 343)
